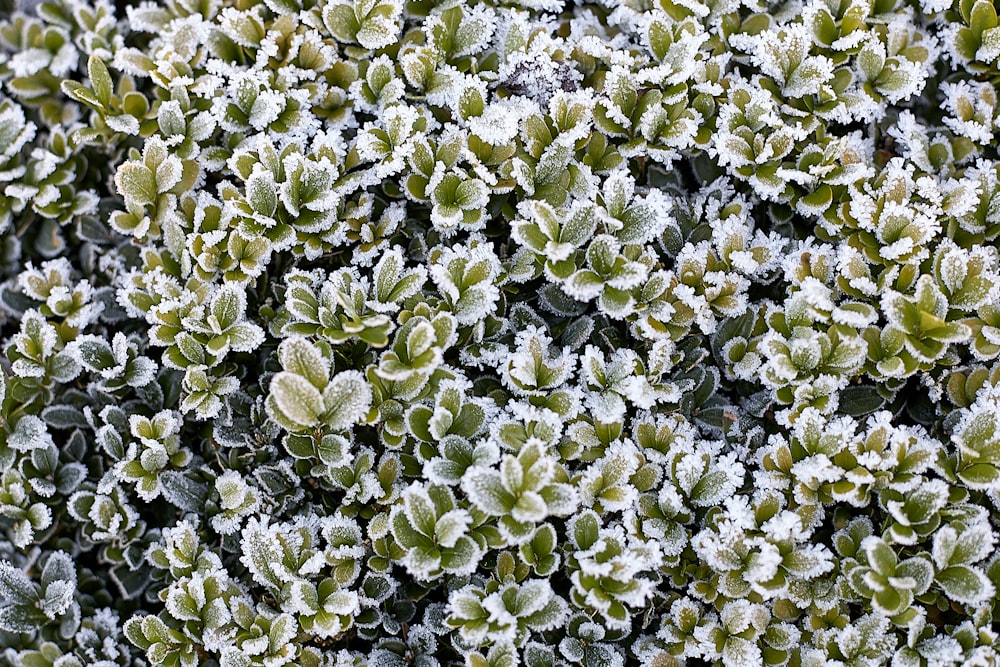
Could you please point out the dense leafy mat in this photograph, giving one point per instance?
(347, 332)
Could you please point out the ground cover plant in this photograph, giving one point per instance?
(499, 332)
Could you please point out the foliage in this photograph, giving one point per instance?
(499, 332)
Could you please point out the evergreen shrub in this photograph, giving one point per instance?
(499, 332)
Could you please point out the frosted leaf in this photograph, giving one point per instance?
(346, 400)
(533, 367)
(382, 85)
(37, 338)
(379, 22)
(419, 509)
(485, 489)
(15, 130)
(30, 433)
(871, 58)
(972, 110)
(296, 399)
(784, 56)
(529, 507)
(471, 35)
(234, 492)
(500, 121)
(990, 49)
(466, 276)
(450, 526)
(15, 585)
(262, 194)
(606, 482)
(399, 122)
(965, 584)
(393, 283)
(234, 657)
(38, 283)
(939, 649)
(297, 355)
(950, 549)
(535, 74)
(266, 108)
(738, 651)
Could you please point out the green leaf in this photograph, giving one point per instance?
(262, 194)
(228, 305)
(297, 355)
(100, 79)
(918, 569)
(297, 399)
(980, 476)
(819, 199)
(28, 87)
(585, 530)
(891, 601)
(964, 584)
(486, 491)
(880, 556)
(136, 183)
(16, 586)
(463, 557)
(183, 492)
(420, 510)
(346, 400)
(983, 17)
(450, 526)
(860, 400)
(824, 27)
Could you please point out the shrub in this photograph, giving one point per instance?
(501, 332)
